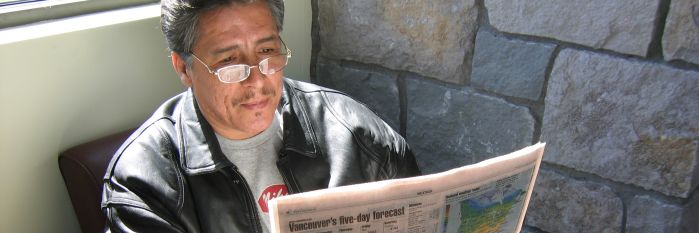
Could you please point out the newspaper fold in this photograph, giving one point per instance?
(490, 196)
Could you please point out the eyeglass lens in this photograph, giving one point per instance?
(236, 73)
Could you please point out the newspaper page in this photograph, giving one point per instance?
(490, 196)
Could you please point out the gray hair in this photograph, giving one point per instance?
(179, 20)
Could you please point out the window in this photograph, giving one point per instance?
(21, 12)
(10, 2)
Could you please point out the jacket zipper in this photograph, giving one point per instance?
(249, 201)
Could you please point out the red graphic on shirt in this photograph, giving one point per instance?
(271, 192)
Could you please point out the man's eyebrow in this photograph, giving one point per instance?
(234, 47)
(225, 49)
(266, 39)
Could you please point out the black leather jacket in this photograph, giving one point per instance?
(171, 176)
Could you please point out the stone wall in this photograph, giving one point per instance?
(611, 86)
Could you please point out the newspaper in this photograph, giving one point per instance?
(490, 196)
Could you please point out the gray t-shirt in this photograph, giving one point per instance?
(256, 159)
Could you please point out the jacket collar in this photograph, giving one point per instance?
(296, 122)
(200, 151)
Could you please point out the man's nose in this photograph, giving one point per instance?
(255, 79)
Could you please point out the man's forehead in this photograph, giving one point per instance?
(225, 48)
(234, 27)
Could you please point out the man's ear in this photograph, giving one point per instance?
(180, 66)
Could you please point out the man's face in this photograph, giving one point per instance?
(235, 34)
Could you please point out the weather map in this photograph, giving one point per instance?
(487, 209)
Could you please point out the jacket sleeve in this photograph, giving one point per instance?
(124, 218)
(375, 136)
(406, 166)
(143, 189)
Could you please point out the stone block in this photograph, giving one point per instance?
(432, 38)
(378, 90)
(625, 26)
(646, 214)
(527, 230)
(449, 128)
(681, 37)
(690, 213)
(510, 67)
(563, 204)
(625, 120)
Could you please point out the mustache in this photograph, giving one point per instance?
(249, 94)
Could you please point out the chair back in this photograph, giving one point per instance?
(83, 167)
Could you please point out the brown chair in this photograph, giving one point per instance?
(83, 167)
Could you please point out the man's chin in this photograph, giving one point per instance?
(259, 124)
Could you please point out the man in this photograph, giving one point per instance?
(209, 159)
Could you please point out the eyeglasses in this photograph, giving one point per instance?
(239, 72)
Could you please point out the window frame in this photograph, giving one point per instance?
(28, 12)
